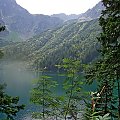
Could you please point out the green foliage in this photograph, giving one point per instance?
(74, 93)
(96, 116)
(9, 105)
(106, 69)
(77, 40)
(71, 103)
(42, 94)
(105, 117)
(89, 114)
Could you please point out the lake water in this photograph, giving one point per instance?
(19, 83)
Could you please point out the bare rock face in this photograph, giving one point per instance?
(93, 13)
(90, 14)
(21, 22)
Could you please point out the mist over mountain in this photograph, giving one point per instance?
(65, 17)
(90, 14)
(20, 22)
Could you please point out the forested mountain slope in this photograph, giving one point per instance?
(72, 40)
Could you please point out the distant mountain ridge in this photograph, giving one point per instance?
(20, 22)
(24, 25)
(90, 14)
(93, 13)
(69, 39)
(65, 17)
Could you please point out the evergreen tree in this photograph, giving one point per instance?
(42, 95)
(73, 87)
(8, 104)
(106, 70)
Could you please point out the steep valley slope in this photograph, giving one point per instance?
(74, 39)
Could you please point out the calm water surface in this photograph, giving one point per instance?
(19, 83)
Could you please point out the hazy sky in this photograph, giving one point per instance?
(49, 7)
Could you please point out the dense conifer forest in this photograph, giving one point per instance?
(85, 54)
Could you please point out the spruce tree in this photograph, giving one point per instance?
(106, 70)
(110, 41)
(43, 95)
